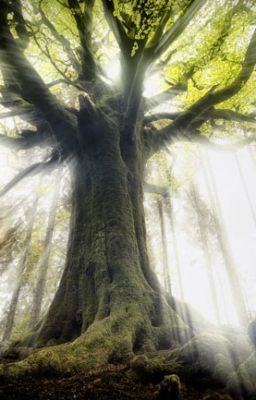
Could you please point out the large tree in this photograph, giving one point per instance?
(108, 297)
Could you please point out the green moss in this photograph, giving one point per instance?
(148, 369)
(217, 396)
(170, 388)
(153, 367)
(224, 367)
(244, 379)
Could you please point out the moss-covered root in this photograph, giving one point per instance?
(113, 339)
(153, 367)
(208, 356)
(93, 349)
(242, 383)
(170, 388)
(217, 396)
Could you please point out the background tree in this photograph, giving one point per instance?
(108, 296)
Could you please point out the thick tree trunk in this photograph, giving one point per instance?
(107, 278)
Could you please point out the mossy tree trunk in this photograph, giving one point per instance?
(107, 274)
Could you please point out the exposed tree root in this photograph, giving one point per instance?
(129, 336)
(113, 339)
(208, 359)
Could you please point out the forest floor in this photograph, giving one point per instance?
(111, 382)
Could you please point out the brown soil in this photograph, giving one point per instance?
(112, 382)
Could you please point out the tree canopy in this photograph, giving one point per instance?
(51, 47)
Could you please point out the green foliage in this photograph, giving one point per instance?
(221, 40)
(146, 20)
(159, 171)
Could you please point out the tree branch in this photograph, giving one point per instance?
(59, 81)
(212, 98)
(168, 94)
(159, 31)
(13, 113)
(61, 39)
(30, 86)
(197, 138)
(230, 115)
(159, 116)
(199, 112)
(155, 140)
(27, 140)
(32, 170)
(20, 24)
(123, 41)
(26, 111)
(155, 189)
(65, 79)
(225, 114)
(177, 28)
(84, 26)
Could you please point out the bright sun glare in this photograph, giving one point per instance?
(233, 178)
(152, 82)
(113, 70)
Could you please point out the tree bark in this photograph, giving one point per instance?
(107, 276)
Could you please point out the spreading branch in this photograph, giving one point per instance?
(215, 97)
(160, 116)
(203, 109)
(155, 189)
(198, 138)
(124, 42)
(30, 86)
(166, 95)
(44, 166)
(89, 67)
(27, 140)
(65, 78)
(61, 39)
(230, 115)
(19, 23)
(11, 99)
(155, 141)
(222, 114)
(177, 28)
(13, 113)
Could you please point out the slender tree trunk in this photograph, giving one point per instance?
(246, 191)
(229, 262)
(181, 305)
(165, 263)
(21, 267)
(207, 254)
(169, 209)
(44, 260)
